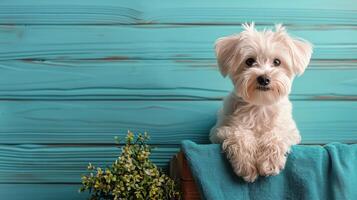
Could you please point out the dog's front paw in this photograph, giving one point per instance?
(272, 158)
(241, 155)
(270, 167)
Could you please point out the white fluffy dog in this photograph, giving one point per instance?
(255, 126)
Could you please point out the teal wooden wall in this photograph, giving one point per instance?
(74, 74)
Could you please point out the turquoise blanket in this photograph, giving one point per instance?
(312, 172)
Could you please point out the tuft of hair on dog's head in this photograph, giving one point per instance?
(264, 47)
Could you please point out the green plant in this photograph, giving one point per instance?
(131, 176)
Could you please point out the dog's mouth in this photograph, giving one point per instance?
(263, 88)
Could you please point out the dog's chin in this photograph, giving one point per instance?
(262, 96)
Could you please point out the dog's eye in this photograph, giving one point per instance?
(249, 62)
(276, 62)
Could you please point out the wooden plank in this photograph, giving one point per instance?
(148, 43)
(168, 122)
(181, 172)
(175, 12)
(155, 80)
(62, 163)
(42, 191)
(69, 121)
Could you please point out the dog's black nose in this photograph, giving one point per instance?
(263, 80)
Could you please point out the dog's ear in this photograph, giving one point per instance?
(226, 50)
(301, 54)
(300, 50)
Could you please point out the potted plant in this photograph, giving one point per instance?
(131, 176)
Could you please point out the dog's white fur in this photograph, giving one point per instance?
(256, 127)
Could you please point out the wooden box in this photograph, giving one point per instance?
(180, 171)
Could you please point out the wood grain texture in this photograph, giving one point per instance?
(62, 163)
(42, 192)
(97, 12)
(156, 80)
(64, 42)
(168, 122)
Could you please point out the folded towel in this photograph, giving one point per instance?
(311, 172)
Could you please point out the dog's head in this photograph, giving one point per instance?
(262, 64)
